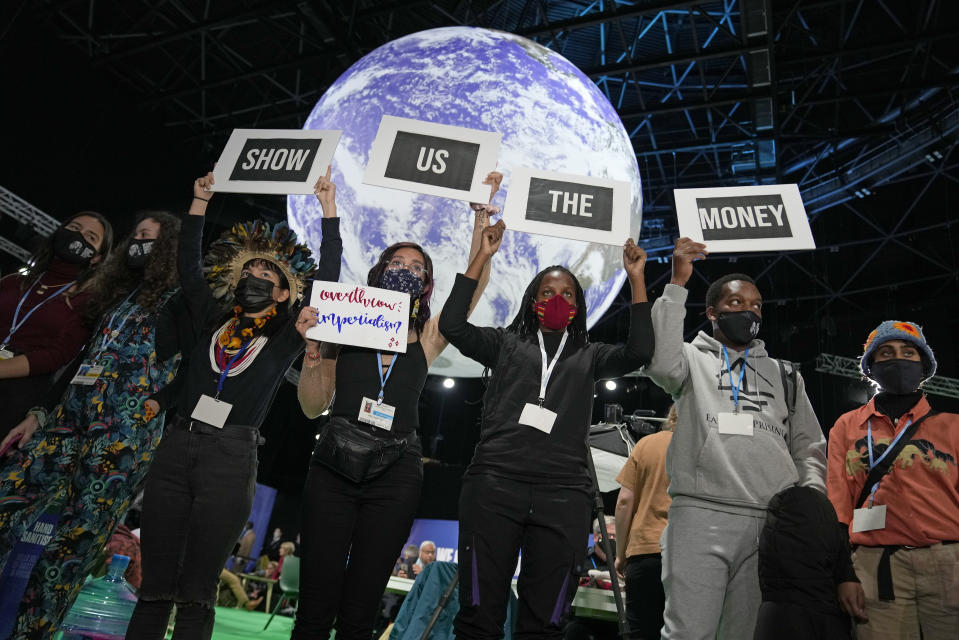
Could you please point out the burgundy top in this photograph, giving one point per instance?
(54, 334)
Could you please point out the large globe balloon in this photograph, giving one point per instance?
(551, 117)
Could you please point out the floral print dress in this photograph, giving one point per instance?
(88, 464)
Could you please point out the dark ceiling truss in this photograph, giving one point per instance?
(843, 97)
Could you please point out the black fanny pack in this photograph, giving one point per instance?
(354, 453)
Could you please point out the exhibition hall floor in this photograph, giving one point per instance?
(238, 624)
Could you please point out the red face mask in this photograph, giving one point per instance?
(555, 313)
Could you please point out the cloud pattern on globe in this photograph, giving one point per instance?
(551, 117)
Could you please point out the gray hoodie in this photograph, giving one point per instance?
(732, 473)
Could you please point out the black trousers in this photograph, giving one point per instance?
(645, 597)
(498, 519)
(197, 498)
(787, 621)
(351, 535)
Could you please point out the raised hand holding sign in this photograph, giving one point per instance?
(434, 159)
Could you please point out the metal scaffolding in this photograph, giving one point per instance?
(853, 100)
(849, 368)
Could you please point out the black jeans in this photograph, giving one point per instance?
(787, 621)
(197, 498)
(645, 597)
(351, 534)
(498, 519)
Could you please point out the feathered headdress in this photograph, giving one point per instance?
(257, 240)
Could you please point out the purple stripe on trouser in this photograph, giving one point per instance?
(475, 576)
(560, 607)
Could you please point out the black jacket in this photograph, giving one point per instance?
(804, 551)
(519, 452)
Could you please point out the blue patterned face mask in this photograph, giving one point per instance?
(402, 280)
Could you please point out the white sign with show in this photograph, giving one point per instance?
(744, 219)
(434, 159)
(568, 206)
(359, 315)
(276, 161)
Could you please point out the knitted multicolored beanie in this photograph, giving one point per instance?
(895, 330)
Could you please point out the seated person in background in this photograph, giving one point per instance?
(232, 581)
(427, 556)
(597, 558)
(404, 567)
(244, 548)
(286, 549)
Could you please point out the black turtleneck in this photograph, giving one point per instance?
(895, 405)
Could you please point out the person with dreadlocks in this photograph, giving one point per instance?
(200, 490)
(528, 487)
(356, 524)
(84, 468)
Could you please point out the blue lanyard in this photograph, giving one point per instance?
(872, 463)
(17, 323)
(384, 378)
(742, 371)
(111, 333)
(226, 369)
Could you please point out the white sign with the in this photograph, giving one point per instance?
(281, 161)
(568, 206)
(435, 159)
(360, 316)
(735, 219)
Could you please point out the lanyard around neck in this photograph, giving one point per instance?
(742, 371)
(548, 367)
(110, 333)
(17, 322)
(225, 371)
(384, 378)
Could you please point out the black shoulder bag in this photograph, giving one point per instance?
(355, 454)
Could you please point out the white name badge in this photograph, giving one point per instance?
(869, 519)
(87, 374)
(378, 415)
(5, 354)
(537, 417)
(212, 411)
(740, 424)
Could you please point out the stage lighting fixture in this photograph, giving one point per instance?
(611, 385)
(448, 383)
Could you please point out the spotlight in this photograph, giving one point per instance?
(611, 385)
(448, 383)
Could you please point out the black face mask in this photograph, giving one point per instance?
(254, 294)
(70, 246)
(138, 253)
(739, 326)
(897, 376)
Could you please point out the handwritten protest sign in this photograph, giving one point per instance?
(360, 316)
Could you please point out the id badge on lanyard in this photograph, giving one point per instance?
(214, 411)
(90, 371)
(376, 412)
(873, 516)
(536, 415)
(735, 423)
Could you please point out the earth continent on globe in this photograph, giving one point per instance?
(551, 117)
